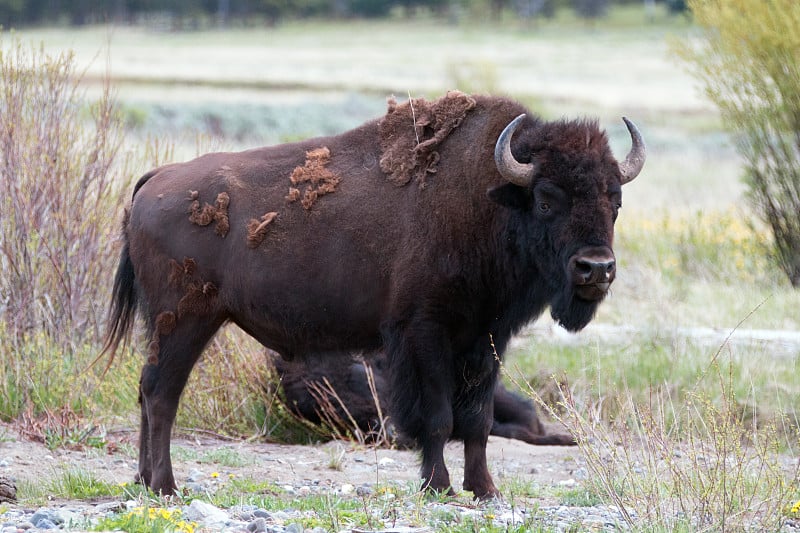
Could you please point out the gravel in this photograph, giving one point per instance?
(247, 518)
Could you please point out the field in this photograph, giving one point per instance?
(701, 326)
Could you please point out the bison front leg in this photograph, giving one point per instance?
(474, 417)
(422, 395)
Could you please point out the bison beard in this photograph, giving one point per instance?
(445, 227)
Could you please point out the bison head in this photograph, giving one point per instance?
(566, 187)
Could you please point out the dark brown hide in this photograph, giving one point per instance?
(305, 387)
(439, 276)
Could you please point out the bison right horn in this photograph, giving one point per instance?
(634, 162)
(512, 170)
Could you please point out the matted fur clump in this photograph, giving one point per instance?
(411, 132)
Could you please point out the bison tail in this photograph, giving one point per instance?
(123, 307)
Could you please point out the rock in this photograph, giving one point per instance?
(45, 514)
(259, 525)
(294, 527)
(8, 490)
(205, 513)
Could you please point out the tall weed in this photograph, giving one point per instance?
(691, 459)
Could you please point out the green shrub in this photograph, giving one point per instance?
(747, 58)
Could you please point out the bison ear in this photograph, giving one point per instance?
(511, 196)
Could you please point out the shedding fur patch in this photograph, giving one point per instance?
(199, 299)
(181, 275)
(411, 132)
(165, 324)
(203, 216)
(257, 229)
(199, 296)
(320, 180)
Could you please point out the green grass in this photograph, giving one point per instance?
(71, 483)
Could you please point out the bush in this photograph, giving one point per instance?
(747, 60)
(59, 211)
(58, 155)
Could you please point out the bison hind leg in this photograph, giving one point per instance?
(170, 361)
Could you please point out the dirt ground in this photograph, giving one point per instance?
(210, 461)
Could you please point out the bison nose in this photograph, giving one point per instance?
(594, 271)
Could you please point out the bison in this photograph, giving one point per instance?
(335, 389)
(435, 232)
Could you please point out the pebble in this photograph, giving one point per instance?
(404, 518)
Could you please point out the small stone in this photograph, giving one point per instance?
(347, 488)
(44, 523)
(363, 491)
(261, 513)
(196, 475)
(200, 511)
(386, 461)
(45, 514)
(294, 527)
(259, 525)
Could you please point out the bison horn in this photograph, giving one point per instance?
(634, 161)
(512, 170)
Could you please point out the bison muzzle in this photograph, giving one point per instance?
(434, 233)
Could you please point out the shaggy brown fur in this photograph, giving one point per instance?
(321, 180)
(181, 275)
(208, 213)
(257, 229)
(199, 299)
(411, 132)
(165, 324)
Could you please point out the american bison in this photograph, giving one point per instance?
(335, 389)
(435, 232)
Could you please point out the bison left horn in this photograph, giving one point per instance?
(512, 170)
(634, 161)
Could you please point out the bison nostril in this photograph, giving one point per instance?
(594, 271)
(584, 270)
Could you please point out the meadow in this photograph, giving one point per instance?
(690, 254)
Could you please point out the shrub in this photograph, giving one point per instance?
(747, 60)
(58, 156)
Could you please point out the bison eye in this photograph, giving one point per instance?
(544, 208)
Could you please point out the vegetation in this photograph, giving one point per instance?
(747, 60)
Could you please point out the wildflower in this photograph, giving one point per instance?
(796, 507)
(215, 475)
